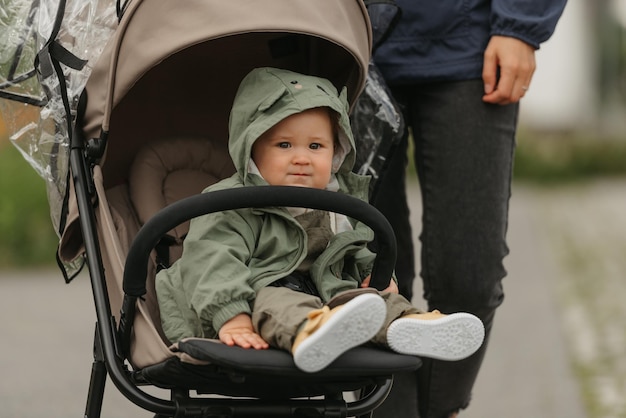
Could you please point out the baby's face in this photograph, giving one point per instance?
(298, 151)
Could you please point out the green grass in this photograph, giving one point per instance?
(547, 159)
(583, 225)
(28, 238)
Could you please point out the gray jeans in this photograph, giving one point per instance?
(463, 150)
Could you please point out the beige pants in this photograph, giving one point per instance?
(279, 312)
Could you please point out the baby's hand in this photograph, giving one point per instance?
(392, 288)
(240, 332)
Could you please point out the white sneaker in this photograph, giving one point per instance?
(331, 332)
(438, 336)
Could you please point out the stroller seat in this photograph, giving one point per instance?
(171, 169)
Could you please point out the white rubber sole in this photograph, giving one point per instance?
(354, 324)
(453, 337)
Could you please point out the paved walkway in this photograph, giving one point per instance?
(525, 373)
(47, 326)
(584, 231)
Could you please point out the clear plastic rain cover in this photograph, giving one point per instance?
(377, 125)
(31, 104)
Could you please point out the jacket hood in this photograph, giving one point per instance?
(266, 96)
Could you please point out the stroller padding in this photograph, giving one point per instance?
(214, 380)
(273, 367)
(167, 170)
(272, 361)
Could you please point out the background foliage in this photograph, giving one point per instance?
(28, 238)
(560, 158)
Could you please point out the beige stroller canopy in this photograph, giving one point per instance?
(172, 70)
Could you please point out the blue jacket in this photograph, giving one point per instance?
(443, 40)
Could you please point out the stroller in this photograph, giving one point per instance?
(150, 134)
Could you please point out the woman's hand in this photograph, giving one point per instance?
(508, 68)
(392, 288)
(240, 332)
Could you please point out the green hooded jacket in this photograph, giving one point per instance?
(228, 256)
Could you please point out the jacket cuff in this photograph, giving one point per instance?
(229, 311)
(521, 37)
(530, 21)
